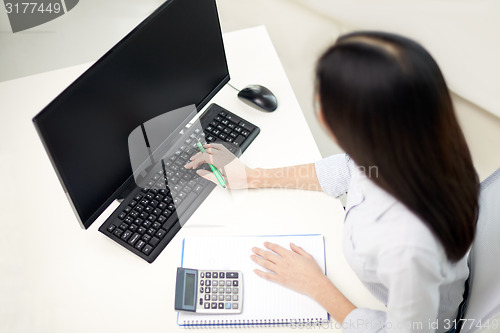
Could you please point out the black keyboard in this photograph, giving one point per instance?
(149, 217)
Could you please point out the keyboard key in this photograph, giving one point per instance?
(129, 219)
(133, 227)
(128, 209)
(246, 126)
(231, 125)
(146, 237)
(229, 139)
(245, 132)
(237, 129)
(123, 226)
(239, 140)
(157, 225)
(141, 230)
(140, 244)
(161, 233)
(154, 241)
(151, 231)
(135, 237)
(147, 249)
(117, 232)
(111, 227)
(234, 135)
(125, 236)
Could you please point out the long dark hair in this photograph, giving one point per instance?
(386, 101)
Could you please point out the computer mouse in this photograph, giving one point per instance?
(259, 96)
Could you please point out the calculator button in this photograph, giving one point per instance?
(215, 283)
(207, 305)
(228, 305)
(231, 275)
(215, 275)
(201, 301)
(235, 306)
(221, 290)
(221, 283)
(202, 275)
(214, 290)
(235, 283)
(214, 297)
(208, 283)
(221, 297)
(235, 298)
(228, 297)
(214, 305)
(221, 275)
(201, 289)
(207, 289)
(208, 275)
(235, 290)
(221, 305)
(228, 283)
(228, 290)
(207, 297)
(202, 282)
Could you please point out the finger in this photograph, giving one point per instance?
(266, 275)
(200, 159)
(276, 248)
(215, 146)
(195, 156)
(207, 175)
(263, 262)
(299, 250)
(271, 256)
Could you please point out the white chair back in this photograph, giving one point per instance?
(483, 310)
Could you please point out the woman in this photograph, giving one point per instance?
(408, 225)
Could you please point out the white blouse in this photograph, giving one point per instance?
(394, 254)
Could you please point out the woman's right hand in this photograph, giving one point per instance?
(236, 174)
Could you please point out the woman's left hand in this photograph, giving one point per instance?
(295, 269)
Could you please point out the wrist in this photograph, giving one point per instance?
(254, 177)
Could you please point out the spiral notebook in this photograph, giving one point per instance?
(264, 303)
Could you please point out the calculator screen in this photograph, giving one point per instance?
(189, 290)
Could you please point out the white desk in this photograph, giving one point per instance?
(56, 277)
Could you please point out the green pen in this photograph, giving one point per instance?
(216, 171)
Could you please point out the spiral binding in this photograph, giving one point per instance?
(230, 323)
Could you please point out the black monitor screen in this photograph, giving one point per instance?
(173, 59)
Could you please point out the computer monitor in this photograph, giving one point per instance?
(174, 58)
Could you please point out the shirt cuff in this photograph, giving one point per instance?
(334, 174)
(362, 320)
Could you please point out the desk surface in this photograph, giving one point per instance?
(57, 277)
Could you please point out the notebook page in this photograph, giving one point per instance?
(263, 301)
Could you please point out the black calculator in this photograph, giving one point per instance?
(209, 291)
